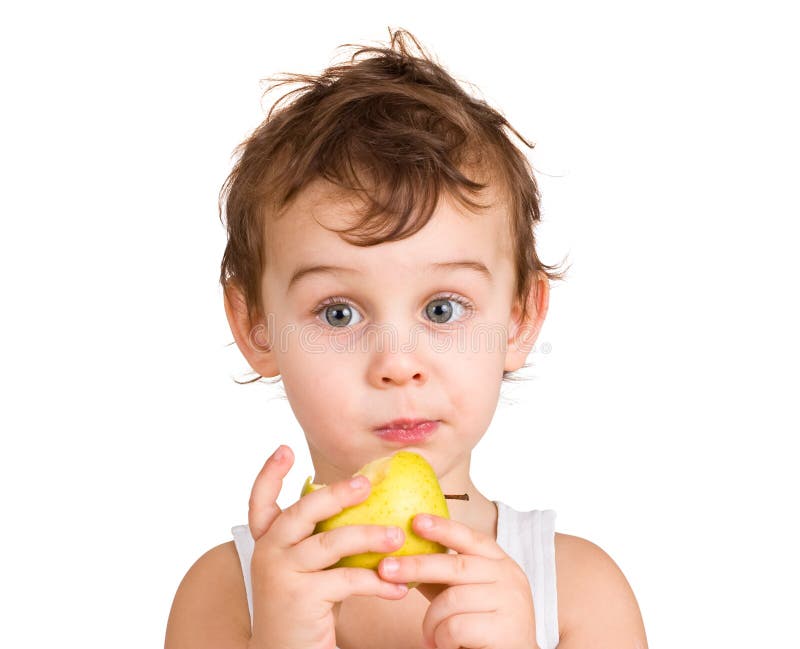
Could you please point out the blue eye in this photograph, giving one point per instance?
(441, 309)
(339, 312)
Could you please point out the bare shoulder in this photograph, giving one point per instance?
(596, 605)
(210, 605)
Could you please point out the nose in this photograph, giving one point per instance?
(396, 367)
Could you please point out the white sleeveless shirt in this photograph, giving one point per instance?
(527, 537)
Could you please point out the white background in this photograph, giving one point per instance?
(659, 424)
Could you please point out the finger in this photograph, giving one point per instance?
(320, 551)
(438, 569)
(469, 598)
(464, 630)
(263, 507)
(457, 536)
(298, 521)
(340, 583)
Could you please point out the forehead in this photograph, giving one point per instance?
(304, 233)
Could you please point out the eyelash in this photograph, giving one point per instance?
(331, 301)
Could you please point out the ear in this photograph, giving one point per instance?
(522, 334)
(254, 339)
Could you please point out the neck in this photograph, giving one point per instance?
(478, 513)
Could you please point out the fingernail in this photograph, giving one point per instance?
(279, 454)
(359, 482)
(390, 565)
(393, 534)
(424, 522)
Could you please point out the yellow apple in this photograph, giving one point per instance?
(403, 485)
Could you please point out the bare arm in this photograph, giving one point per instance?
(210, 606)
(597, 607)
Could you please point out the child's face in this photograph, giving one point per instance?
(375, 353)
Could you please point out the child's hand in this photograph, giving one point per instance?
(293, 595)
(489, 602)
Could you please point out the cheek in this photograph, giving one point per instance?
(312, 377)
(479, 349)
(323, 396)
(322, 388)
(472, 376)
(474, 399)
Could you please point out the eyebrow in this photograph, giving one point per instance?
(325, 269)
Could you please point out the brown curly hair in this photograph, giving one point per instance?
(392, 127)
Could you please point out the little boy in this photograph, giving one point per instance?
(381, 260)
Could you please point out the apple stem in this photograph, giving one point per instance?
(457, 496)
